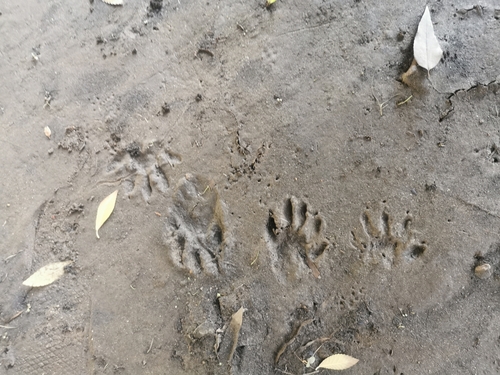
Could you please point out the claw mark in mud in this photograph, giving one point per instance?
(142, 169)
(196, 233)
(296, 240)
(385, 243)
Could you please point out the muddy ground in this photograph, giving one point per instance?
(269, 159)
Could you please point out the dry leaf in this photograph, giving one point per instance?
(405, 77)
(47, 274)
(338, 362)
(230, 340)
(113, 2)
(234, 329)
(47, 132)
(426, 49)
(104, 210)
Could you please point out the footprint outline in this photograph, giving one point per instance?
(296, 239)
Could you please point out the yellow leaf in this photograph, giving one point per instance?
(338, 362)
(47, 132)
(269, 3)
(234, 327)
(47, 274)
(104, 211)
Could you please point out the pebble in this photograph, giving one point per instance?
(483, 271)
(50, 151)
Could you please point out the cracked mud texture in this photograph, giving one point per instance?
(269, 159)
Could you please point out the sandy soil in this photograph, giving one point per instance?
(264, 159)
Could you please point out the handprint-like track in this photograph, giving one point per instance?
(196, 234)
(386, 243)
(143, 168)
(296, 240)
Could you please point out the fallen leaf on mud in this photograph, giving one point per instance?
(338, 362)
(426, 49)
(47, 132)
(405, 77)
(104, 211)
(113, 2)
(47, 274)
(234, 330)
(230, 340)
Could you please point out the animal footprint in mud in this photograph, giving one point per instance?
(296, 240)
(143, 168)
(386, 243)
(195, 233)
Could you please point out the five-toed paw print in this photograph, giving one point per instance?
(143, 169)
(195, 233)
(296, 240)
(386, 243)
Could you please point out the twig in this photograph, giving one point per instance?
(7, 327)
(256, 257)
(381, 106)
(406, 100)
(12, 256)
(150, 345)
(16, 315)
(291, 340)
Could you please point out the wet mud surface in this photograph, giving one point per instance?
(265, 158)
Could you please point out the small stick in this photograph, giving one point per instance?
(150, 345)
(14, 317)
(256, 257)
(406, 101)
(12, 256)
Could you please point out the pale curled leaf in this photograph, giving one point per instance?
(47, 132)
(426, 49)
(338, 362)
(105, 210)
(46, 275)
(234, 329)
(113, 2)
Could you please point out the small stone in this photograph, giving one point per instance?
(50, 151)
(483, 271)
(165, 109)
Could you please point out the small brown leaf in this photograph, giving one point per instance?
(338, 362)
(234, 329)
(230, 340)
(46, 275)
